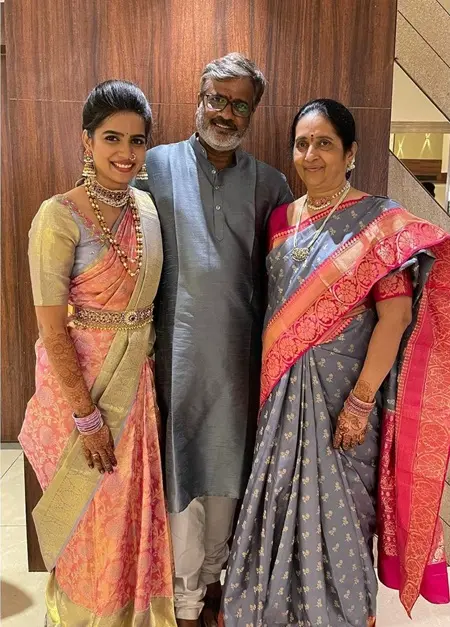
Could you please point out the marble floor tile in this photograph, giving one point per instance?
(12, 495)
(23, 600)
(7, 459)
(424, 614)
(14, 549)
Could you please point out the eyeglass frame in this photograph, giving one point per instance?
(205, 95)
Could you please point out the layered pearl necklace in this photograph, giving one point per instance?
(94, 197)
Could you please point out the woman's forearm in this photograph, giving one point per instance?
(63, 359)
(381, 356)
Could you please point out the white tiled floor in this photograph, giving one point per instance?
(22, 593)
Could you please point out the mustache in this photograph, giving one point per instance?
(224, 122)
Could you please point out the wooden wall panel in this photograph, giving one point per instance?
(57, 51)
(11, 368)
(44, 167)
(340, 50)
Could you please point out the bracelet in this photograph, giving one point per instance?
(358, 408)
(87, 425)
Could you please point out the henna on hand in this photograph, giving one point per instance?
(64, 361)
(364, 392)
(350, 430)
(353, 421)
(98, 448)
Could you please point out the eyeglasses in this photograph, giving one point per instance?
(216, 102)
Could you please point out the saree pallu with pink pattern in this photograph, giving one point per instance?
(302, 553)
(105, 539)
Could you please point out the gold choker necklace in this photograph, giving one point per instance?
(111, 197)
(317, 204)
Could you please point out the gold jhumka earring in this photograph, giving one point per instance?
(88, 167)
(142, 175)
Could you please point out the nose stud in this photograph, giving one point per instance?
(133, 157)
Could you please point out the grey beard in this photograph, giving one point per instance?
(208, 134)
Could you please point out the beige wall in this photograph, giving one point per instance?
(409, 103)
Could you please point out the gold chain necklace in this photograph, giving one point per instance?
(302, 254)
(322, 203)
(109, 237)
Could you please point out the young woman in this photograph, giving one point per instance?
(91, 429)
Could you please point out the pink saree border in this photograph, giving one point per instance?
(337, 286)
(415, 453)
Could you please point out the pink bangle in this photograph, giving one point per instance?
(87, 425)
(357, 407)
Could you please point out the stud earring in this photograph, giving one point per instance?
(142, 175)
(352, 165)
(88, 166)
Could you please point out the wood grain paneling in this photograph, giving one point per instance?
(50, 162)
(172, 123)
(33, 492)
(71, 45)
(339, 49)
(312, 48)
(57, 51)
(12, 362)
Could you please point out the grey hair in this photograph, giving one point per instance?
(235, 65)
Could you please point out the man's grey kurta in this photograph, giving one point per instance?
(210, 312)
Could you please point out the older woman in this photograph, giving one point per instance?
(91, 428)
(354, 383)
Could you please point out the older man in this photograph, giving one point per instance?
(213, 201)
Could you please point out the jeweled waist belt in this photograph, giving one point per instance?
(99, 319)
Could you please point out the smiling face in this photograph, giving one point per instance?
(319, 155)
(118, 148)
(224, 130)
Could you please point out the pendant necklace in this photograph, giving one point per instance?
(301, 254)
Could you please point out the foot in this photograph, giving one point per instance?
(213, 597)
(186, 622)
